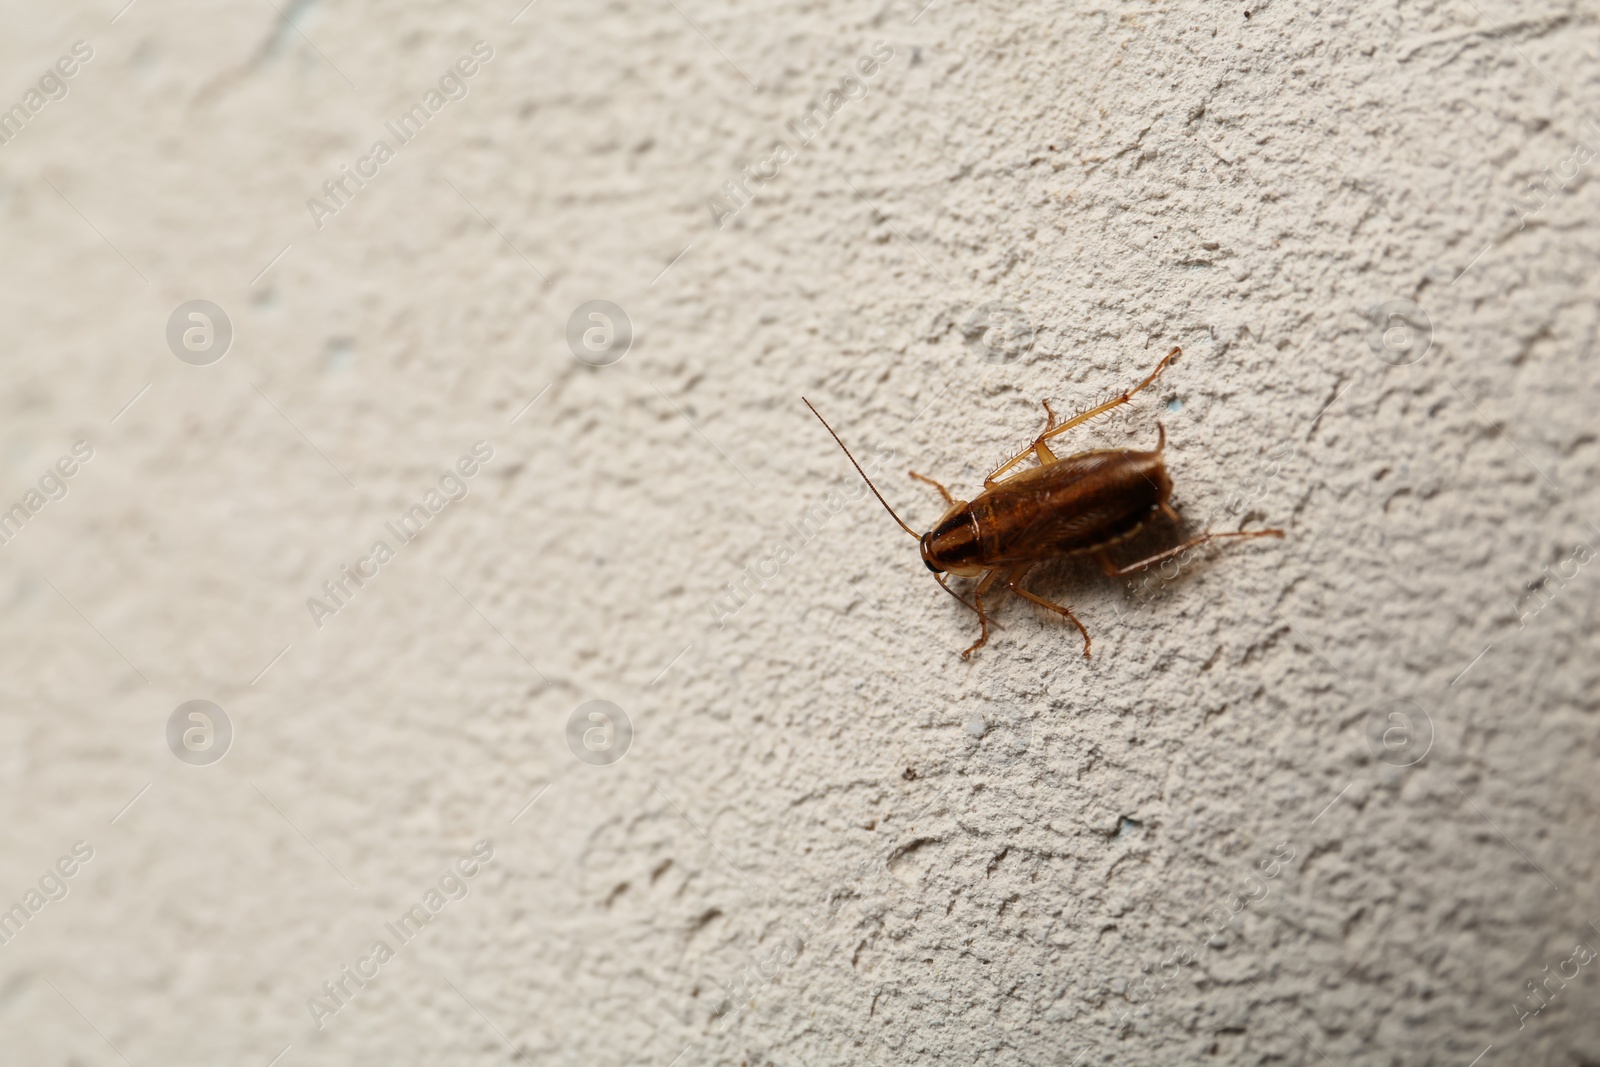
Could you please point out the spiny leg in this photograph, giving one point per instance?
(1116, 401)
(987, 582)
(1159, 557)
(1077, 420)
(1046, 457)
(1012, 584)
(948, 499)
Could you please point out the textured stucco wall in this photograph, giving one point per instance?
(831, 840)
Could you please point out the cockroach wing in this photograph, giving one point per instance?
(1075, 504)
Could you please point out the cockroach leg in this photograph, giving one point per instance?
(1038, 445)
(1186, 546)
(1170, 512)
(1050, 415)
(987, 582)
(1040, 449)
(994, 476)
(1013, 584)
(1107, 566)
(1046, 457)
(1114, 401)
(948, 499)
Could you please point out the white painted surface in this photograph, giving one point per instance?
(935, 861)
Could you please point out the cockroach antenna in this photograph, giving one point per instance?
(914, 535)
(937, 577)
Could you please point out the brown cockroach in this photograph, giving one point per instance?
(1073, 505)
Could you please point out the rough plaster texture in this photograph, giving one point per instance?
(832, 841)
